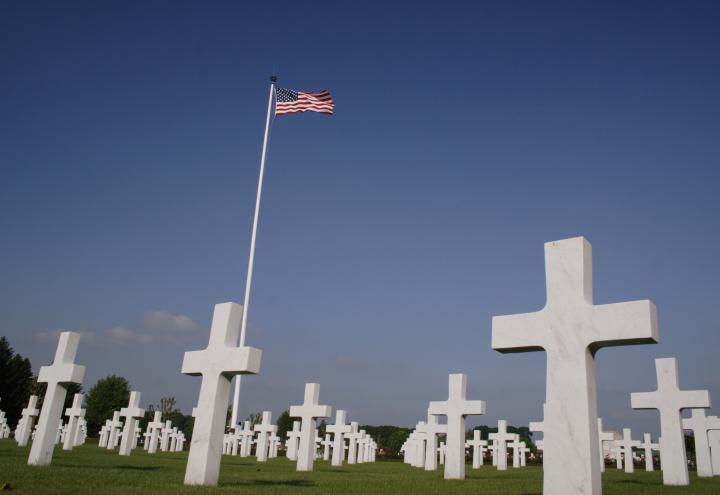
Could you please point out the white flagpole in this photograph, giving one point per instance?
(251, 260)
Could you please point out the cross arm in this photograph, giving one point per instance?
(223, 361)
(625, 323)
(644, 400)
(514, 333)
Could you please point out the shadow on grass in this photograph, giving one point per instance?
(294, 483)
(126, 468)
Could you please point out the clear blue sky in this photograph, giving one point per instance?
(465, 136)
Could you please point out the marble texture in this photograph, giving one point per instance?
(700, 426)
(670, 401)
(571, 329)
(217, 364)
(456, 408)
(308, 413)
(339, 429)
(714, 441)
(57, 376)
(132, 412)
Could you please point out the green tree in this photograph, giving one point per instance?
(107, 395)
(284, 424)
(16, 379)
(395, 440)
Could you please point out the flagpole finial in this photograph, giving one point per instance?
(273, 79)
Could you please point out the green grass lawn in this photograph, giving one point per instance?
(91, 470)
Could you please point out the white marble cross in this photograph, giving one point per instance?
(352, 442)
(114, 429)
(433, 428)
(478, 445)
(264, 430)
(501, 438)
(339, 429)
(669, 400)
(246, 439)
(165, 437)
(571, 329)
(217, 364)
(73, 413)
(649, 447)
(627, 444)
(155, 428)
(515, 446)
(420, 444)
(61, 373)
(456, 408)
(603, 436)
(327, 443)
(292, 441)
(308, 412)
(132, 411)
(714, 441)
(28, 417)
(700, 426)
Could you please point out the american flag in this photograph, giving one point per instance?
(289, 101)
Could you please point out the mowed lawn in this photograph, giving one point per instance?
(91, 470)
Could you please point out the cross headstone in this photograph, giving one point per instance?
(165, 437)
(155, 428)
(603, 436)
(523, 451)
(648, 446)
(420, 444)
(571, 329)
(352, 442)
(115, 425)
(326, 446)
(246, 439)
(501, 438)
(130, 413)
(478, 446)
(217, 364)
(627, 444)
(433, 428)
(669, 400)
(292, 441)
(264, 430)
(339, 429)
(73, 413)
(28, 418)
(714, 441)
(700, 426)
(441, 452)
(456, 408)
(308, 412)
(515, 446)
(58, 376)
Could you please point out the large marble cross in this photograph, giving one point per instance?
(74, 414)
(217, 364)
(130, 413)
(669, 400)
(478, 445)
(58, 376)
(501, 438)
(28, 418)
(456, 408)
(627, 444)
(571, 329)
(700, 426)
(339, 429)
(433, 428)
(264, 430)
(649, 446)
(308, 412)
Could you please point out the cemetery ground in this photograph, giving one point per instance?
(91, 470)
